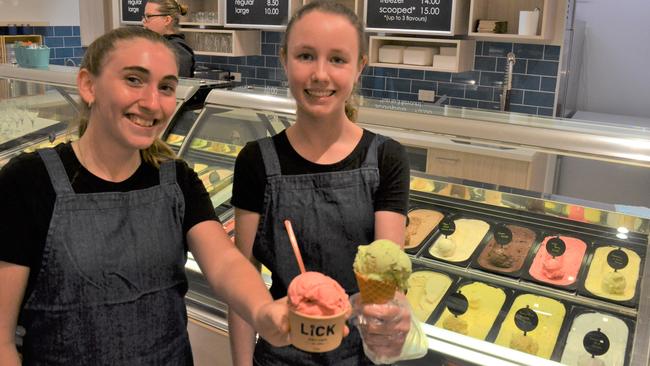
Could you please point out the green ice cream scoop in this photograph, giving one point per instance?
(383, 260)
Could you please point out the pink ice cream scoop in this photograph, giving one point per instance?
(313, 293)
(562, 270)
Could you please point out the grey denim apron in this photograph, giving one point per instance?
(112, 283)
(332, 214)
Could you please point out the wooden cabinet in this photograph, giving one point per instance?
(210, 345)
(525, 172)
(223, 42)
(549, 26)
(461, 57)
(94, 19)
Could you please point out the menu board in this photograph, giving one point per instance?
(132, 11)
(257, 13)
(414, 16)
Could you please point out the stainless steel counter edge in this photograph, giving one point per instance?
(604, 142)
(67, 76)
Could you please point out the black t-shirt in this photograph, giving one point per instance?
(27, 201)
(250, 176)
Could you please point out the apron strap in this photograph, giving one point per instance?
(371, 156)
(270, 157)
(56, 171)
(168, 172)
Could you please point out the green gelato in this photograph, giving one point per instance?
(383, 260)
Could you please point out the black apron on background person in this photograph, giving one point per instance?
(186, 61)
(111, 287)
(332, 214)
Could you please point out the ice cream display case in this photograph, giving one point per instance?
(542, 279)
(38, 106)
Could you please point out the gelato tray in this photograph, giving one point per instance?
(421, 223)
(507, 250)
(558, 261)
(484, 308)
(426, 289)
(429, 186)
(532, 325)
(588, 332)
(459, 243)
(614, 274)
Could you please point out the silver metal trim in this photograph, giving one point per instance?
(65, 76)
(640, 353)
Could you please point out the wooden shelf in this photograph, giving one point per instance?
(464, 56)
(223, 42)
(548, 25)
(4, 40)
(218, 9)
(355, 5)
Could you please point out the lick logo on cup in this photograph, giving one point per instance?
(318, 331)
(313, 333)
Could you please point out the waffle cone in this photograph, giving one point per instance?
(373, 291)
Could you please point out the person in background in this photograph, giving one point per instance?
(340, 185)
(95, 233)
(162, 17)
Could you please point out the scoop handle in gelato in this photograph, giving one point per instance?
(313, 293)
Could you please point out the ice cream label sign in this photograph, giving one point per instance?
(132, 10)
(447, 226)
(502, 235)
(457, 303)
(596, 343)
(555, 247)
(617, 259)
(424, 16)
(526, 319)
(257, 13)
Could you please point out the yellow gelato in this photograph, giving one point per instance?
(524, 343)
(550, 314)
(425, 290)
(484, 303)
(602, 281)
(455, 324)
(422, 185)
(459, 246)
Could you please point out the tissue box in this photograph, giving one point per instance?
(444, 62)
(422, 56)
(391, 54)
(447, 51)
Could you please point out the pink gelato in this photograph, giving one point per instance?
(562, 270)
(313, 293)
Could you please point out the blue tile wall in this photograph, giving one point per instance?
(534, 76)
(64, 42)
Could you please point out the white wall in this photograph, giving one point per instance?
(53, 12)
(615, 75)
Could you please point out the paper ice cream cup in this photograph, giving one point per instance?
(313, 333)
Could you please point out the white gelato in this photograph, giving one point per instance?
(615, 329)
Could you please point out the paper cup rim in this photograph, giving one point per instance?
(319, 317)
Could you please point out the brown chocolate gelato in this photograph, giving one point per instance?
(421, 223)
(510, 257)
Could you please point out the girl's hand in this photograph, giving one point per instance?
(272, 322)
(383, 327)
